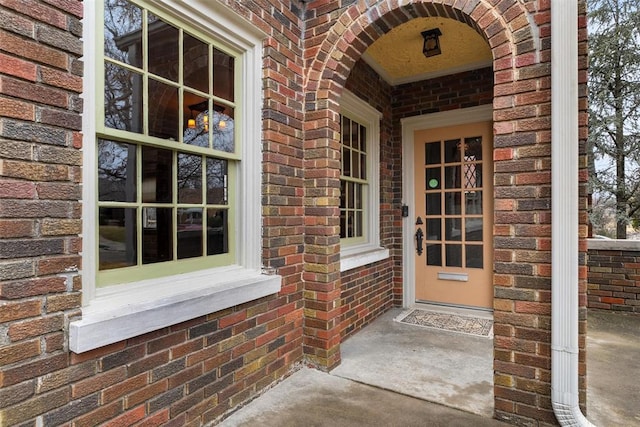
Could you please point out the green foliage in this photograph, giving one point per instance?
(614, 105)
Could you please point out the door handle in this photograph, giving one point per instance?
(419, 236)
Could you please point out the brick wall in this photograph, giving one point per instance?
(614, 275)
(186, 374)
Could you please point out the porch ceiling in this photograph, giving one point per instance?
(397, 56)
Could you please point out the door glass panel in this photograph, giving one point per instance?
(452, 177)
(452, 203)
(433, 179)
(434, 254)
(453, 229)
(473, 202)
(473, 229)
(473, 149)
(472, 175)
(432, 153)
(454, 255)
(157, 231)
(452, 151)
(474, 256)
(117, 230)
(189, 233)
(434, 227)
(433, 204)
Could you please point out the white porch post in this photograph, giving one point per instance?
(564, 215)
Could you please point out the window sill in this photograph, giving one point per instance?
(362, 255)
(126, 311)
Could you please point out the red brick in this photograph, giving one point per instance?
(16, 228)
(35, 327)
(33, 287)
(98, 382)
(33, 369)
(17, 109)
(17, 352)
(128, 418)
(38, 11)
(146, 393)
(16, 310)
(32, 50)
(98, 416)
(17, 67)
(124, 388)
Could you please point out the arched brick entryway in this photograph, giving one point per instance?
(518, 34)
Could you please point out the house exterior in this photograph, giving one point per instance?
(198, 196)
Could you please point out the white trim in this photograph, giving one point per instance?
(564, 215)
(382, 72)
(115, 313)
(613, 244)
(353, 256)
(409, 126)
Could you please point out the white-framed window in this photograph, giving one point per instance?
(171, 182)
(359, 183)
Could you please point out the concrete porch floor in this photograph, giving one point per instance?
(393, 374)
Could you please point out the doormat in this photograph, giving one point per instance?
(450, 322)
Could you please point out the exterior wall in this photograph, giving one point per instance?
(194, 372)
(187, 374)
(614, 275)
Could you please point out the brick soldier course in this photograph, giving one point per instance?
(195, 372)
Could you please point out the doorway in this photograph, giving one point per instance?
(448, 235)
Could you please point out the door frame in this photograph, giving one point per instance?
(409, 125)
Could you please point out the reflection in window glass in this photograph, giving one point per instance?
(163, 110)
(116, 171)
(434, 203)
(196, 63)
(157, 232)
(473, 229)
(223, 71)
(163, 48)
(117, 244)
(195, 126)
(216, 181)
(452, 151)
(473, 149)
(453, 229)
(434, 227)
(432, 153)
(157, 166)
(189, 233)
(122, 98)
(217, 231)
(189, 178)
(473, 202)
(123, 19)
(452, 177)
(223, 129)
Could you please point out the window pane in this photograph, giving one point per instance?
(157, 165)
(223, 128)
(473, 229)
(473, 148)
(346, 161)
(433, 204)
(163, 48)
(363, 164)
(157, 231)
(223, 66)
(189, 179)
(452, 203)
(196, 130)
(163, 110)
(358, 196)
(343, 223)
(189, 233)
(117, 245)
(355, 164)
(363, 139)
(453, 229)
(123, 32)
(473, 202)
(452, 151)
(432, 179)
(217, 232)
(346, 131)
(474, 256)
(359, 225)
(452, 177)
(216, 181)
(122, 98)
(116, 171)
(454, 255)
(473, 175)
(434, 254)
(196, 63)
(434, 231)
(432, 153)
(351, 189)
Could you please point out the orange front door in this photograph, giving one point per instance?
(454, 215)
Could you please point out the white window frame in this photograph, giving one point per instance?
(115, 313)
(369, 251)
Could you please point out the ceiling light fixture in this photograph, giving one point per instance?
(431, 45)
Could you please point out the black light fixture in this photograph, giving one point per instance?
(431, 45)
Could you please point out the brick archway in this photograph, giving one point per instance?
(519, 37)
